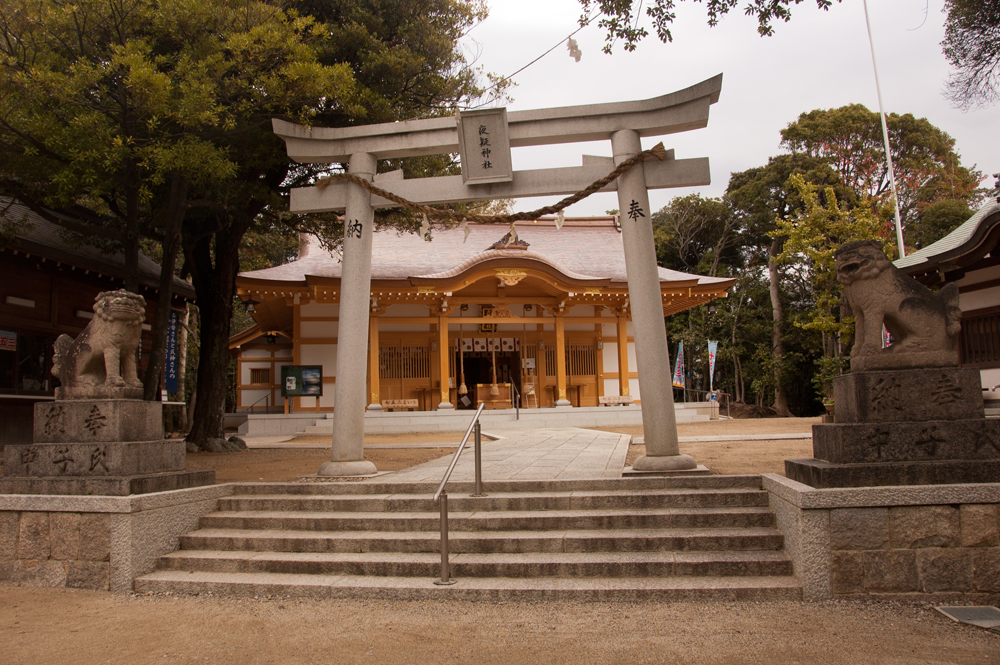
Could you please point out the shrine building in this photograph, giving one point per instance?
(547, 311)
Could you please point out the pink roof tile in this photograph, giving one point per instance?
(582, 249)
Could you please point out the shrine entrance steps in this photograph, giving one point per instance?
(709, 537)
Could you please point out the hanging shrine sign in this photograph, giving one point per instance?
(484, 143)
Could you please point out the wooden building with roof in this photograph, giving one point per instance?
(970, 257)
(48, 289)
(547, 310)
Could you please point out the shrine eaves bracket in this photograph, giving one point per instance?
(680, 111)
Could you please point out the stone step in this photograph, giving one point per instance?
(578, 540)
(606, 500)
(534, 565)
(513, 486)
(251, 585)
(608, 519)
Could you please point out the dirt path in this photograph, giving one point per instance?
(89, 628)
(722, 457)
(284, 465)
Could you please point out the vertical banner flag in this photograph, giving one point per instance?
(679, 367)
(712, 348)
(170, 366)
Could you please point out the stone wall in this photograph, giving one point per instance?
(56, 549)
(95, 542)
(905, 549)
(928, 541)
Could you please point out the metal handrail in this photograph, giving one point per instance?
(267, 404)
(441, 497)
(517, 401)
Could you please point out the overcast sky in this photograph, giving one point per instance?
(819, 60)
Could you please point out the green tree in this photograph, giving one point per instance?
(937, 220)
(849, 139)
(405, 63)
(971, 44)
(139, 118)
(620, 18)
(972, 47)
(811, 238)
(761, 198)
(694, 234)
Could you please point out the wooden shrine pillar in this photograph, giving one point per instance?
(623, 379)
(373, 364)
(444, 356)
(561, 362)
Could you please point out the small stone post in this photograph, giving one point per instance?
(659, 422)
(348, 454)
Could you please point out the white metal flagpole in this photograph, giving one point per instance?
(885, 138)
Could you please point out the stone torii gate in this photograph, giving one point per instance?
(623, 123)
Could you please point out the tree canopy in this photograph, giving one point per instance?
(143, 118)
(971, 44)
(849, 140)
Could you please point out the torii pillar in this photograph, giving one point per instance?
(348, 454)
(362, 146)
(659, 421)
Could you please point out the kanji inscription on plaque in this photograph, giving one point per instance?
(97, 458)
(878, 440)
(55, 420)
(946, 390)
(886, 395)
(484, 143)
(61, 459)
(95, 420)
(929, 439)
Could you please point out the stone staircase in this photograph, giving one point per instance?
(634, 538)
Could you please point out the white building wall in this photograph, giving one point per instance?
(610, 357)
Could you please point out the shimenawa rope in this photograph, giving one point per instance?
(657, 151)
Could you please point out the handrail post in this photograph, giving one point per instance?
(445, 565)
(479, 459)
(441, 497)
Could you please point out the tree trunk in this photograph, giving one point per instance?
(130, 239)
(171, 245)
(214, 283)
(777, 344)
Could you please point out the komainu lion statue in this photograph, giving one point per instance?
(100, 362)
(924, 325)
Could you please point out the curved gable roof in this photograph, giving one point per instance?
(581, 250)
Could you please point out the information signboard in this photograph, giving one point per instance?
(301, 380)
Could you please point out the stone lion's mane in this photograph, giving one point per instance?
(134, 315)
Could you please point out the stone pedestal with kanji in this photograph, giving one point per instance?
(101, 447)
(904, 427)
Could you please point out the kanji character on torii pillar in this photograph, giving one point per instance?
(491, 178)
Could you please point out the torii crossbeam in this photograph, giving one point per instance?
(623, 123)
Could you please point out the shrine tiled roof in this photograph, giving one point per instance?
(35, 235)
(589, 248)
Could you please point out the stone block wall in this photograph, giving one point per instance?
(931, 541)
(907, 549)
(56, 549)
(95, 542)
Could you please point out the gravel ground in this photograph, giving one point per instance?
(85, 627)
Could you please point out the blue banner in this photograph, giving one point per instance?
(679, 367)
(170, 362)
